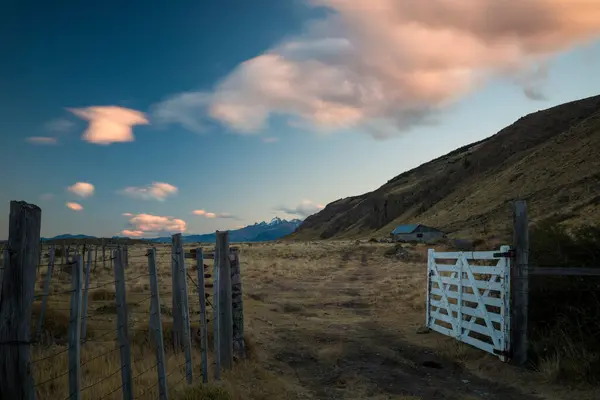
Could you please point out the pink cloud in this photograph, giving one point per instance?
(385, 66)
(127, 214)
(82, 189)
(42, 140)
(150, 225)
(74, 206)
(211, 215)
(304, 209)
(132, 233)
(109, 124)
(155, 191)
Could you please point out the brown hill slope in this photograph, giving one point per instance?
(551, 158)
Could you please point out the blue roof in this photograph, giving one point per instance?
(409, 228)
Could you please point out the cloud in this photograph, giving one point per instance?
(304, 209)
(154, 225)
(42, 140)
(59, 125)
(82, 189)
(270, 139)
(74, 206)
(207, 214)
(155, 191)
(127, 214)
(384, 66)
(532, 82)
(181, 109)
(109, 124)
(47, 196)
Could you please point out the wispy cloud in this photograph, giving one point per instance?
(47, 196)
(109, 124)
(42, 140)
(182, 109)
(59, 125)
(82, 189)
(385, 66)
(127, 214)
(153, 225)
(270, 139)
(207, 214)
(304, 209)
(74, 206)
(155, 191)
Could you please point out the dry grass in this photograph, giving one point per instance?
(329, 320)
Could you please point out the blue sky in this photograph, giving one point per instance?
(248, 110)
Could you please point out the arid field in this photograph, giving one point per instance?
(326, 320)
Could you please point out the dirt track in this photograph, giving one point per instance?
(334, 333)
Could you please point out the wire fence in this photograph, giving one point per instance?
(132, 324)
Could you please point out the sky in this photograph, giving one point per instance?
(144, 118)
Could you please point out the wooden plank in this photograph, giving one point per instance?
(470, 311)
(18, 285)
(520, 284)
(217, 319)
(46, 291)
(479, 284)
(225, 300)
(86, 294)
(183, 287)
(75, 330)
(203, 316)
(237, 306)
(491, 301)
(123, 326)
(175, 295)
(156, 326)
(192, 255)
(564, 271)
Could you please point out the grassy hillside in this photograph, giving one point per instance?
(548, 158)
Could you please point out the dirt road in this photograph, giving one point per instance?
(346, 330)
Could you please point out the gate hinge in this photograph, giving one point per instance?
(510, 254)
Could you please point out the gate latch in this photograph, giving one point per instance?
(510, 254)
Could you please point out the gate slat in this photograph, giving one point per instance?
(479, 284)
(473, 312)
(490, 301)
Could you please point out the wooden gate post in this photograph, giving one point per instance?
(18, 285)
(156, 326)
(520, 284)
(225, 300)
(176, 295)
(237, 299)
(75, 329)
(203, 317)
(123, 326)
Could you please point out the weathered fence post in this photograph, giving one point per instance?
(123, 326)
(103, 254)
(51, 253)
(5, 261)
(86, 294)
(225, 300)
(176, 295)
(75, 330)
(203, 324)
(18, 285)
(237, 306)
(156, 326)
(520, 284)
(63, 252)
(185, 315)
(216, 315)
(126, 250)
(95, 257)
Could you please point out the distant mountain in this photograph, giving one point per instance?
(259, 232)
(68, 236)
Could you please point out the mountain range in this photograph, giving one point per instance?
(258, 232)
(548, 158)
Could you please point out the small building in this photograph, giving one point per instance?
(416, 233)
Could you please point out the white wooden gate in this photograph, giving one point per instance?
(468, 297)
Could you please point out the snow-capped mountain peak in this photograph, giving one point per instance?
(276, 221)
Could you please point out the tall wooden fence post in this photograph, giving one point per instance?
(63, 253)
(185, 315)
(520, 284)
(86, 294)
(237, 305)
(216, 315)
(46, 292)
(156, 326)
(225, 300)
(75, 329)
(176, 294)
(123, 326)
(18, 285)
(103, 254)
(203, 319)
